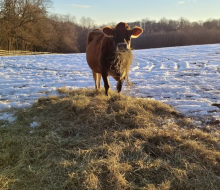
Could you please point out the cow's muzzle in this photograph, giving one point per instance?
(122, 46)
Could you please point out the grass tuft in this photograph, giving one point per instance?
(86, 140)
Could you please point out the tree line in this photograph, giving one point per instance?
(182, 32)
(27, 25)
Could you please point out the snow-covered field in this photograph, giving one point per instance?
(187, 78)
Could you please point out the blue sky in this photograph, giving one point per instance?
(106, 11)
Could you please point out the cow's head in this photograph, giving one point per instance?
(122, 34)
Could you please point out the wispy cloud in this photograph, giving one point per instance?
(82, 6)
(189, 1)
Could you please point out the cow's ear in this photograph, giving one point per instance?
(108, 31)
(136, 32)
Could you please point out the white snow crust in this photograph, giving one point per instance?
(186, 77)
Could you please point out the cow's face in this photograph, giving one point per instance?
(122, 35)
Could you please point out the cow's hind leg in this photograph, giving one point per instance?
(97, 78)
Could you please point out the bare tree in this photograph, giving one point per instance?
(64, 34)
(16, 16)
(86, 24)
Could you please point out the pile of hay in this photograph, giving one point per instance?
(86, 140)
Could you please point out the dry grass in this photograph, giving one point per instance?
(86, 140)
(19, 52)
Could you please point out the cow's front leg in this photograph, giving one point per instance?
(120, 82)
(106, 83)
(119, 85)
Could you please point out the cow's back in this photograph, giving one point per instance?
(93, 49)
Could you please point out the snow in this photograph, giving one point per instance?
(8, 117)
(34, 124)
(186, 77)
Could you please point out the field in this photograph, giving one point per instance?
(185, 77)
(57, 134)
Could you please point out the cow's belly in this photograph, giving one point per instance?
(93, 60)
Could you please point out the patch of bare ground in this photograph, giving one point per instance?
(86, 140)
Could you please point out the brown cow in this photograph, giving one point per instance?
(101, 49)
